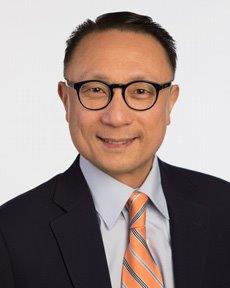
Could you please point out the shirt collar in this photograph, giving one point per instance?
(111, 195)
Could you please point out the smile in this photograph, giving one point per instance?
(117, 143)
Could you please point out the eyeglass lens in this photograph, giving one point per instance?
(138, 95)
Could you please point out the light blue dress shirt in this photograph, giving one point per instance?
(110, 197)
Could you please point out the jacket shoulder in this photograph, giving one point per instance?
(29, 200)
(206, 188)
(194, 176)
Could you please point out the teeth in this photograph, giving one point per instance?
(117, 142)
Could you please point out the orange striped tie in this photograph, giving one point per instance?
(139, 268)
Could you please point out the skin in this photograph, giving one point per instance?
(119, 57)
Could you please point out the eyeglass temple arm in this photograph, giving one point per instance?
(69, 83)
(167, 84)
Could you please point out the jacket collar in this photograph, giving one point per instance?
(82, 247)
(189, 225)
(77, 231)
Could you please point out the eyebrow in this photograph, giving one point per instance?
(98, 76)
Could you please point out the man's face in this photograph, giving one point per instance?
(119, 57)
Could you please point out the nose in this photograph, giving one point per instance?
(117, 113)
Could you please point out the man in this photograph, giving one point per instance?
(118, 216)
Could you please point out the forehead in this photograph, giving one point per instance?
(119, 54)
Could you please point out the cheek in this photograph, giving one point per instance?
(81, 125)
(155, 126)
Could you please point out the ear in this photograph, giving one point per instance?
(62, 92)
(172, 98)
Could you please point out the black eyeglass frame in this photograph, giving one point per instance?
(77, 87)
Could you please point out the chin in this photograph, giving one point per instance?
(116, 167)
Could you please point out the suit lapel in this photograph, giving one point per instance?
(188, 227)
(78, 235)
(77, 231)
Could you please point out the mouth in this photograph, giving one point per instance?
(117, 143)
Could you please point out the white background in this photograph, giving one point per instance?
(35, 143)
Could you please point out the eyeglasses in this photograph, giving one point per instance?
(138, 95)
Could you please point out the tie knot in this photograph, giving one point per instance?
(136, 206)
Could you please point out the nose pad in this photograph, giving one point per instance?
(117, 90)
(116, 113)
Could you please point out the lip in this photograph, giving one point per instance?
(117, 146)
(118, 140)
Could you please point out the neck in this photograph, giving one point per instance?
(136, 177)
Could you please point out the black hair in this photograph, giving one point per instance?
(123, 21)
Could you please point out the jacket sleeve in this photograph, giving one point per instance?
(6, 275)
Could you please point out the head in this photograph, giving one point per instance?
(119, 47)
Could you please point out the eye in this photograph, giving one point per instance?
(96, 89)
(142, 91)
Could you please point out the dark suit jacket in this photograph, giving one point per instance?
(50, 236)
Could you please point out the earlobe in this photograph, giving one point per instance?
(62, 92)
(174, 93)
(64, 96)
